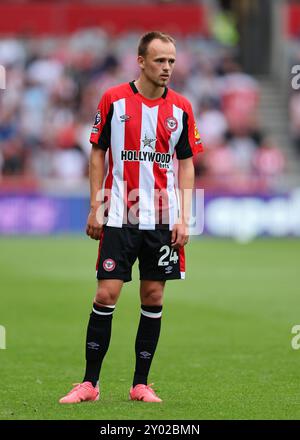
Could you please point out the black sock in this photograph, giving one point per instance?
(146, 342)
(97, 341)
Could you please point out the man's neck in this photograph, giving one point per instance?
(148, 90)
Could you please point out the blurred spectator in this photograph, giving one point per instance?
(69, 160)
(13, 161)
(294, 111)
(269, 160)
(239, 95)
(220, 162)
(243, 142)
(212, 123)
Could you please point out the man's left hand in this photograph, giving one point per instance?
(180, 235)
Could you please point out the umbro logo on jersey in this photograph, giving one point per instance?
(124, 118)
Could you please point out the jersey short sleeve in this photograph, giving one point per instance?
(101, 130)
(189, 143)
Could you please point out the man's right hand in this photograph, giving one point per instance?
(93, 227)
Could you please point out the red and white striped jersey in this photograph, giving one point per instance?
(142, 136)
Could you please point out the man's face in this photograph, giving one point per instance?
(158, 63)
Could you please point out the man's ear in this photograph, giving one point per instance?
(141, 61)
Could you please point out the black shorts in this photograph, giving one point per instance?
(120, 247)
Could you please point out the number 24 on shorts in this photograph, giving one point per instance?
(167, 251)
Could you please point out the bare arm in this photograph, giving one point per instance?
(186, 178)
(96, 175)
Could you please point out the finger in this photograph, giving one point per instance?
(173, 237)
(182, 241)
(179, 241)
(92, 232)
(97, 233)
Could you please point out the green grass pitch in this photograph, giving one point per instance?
(225, 348)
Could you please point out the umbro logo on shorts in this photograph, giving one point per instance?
(168, 269)
(109, 264)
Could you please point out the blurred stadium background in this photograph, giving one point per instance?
(234, 63)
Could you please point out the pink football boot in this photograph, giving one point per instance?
(82, 392)
(144, 393)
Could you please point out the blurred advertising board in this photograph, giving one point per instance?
(248, 217)
(39, 215)
(240, 217)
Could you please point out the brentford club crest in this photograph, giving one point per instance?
(171, 123)
(109, 264)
